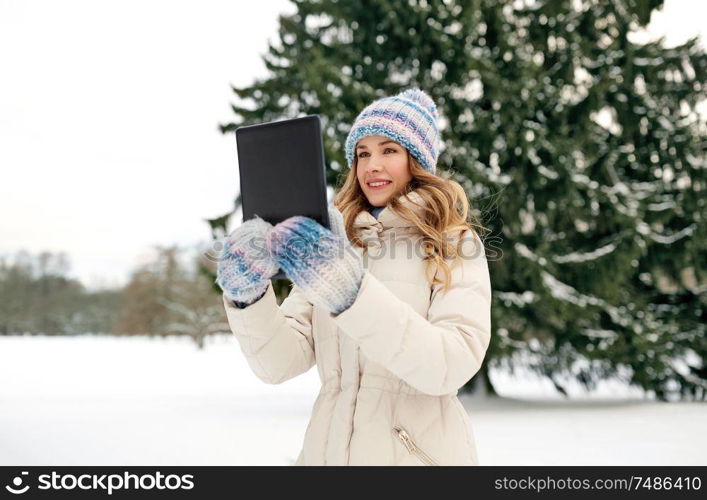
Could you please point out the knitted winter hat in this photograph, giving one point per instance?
(408, 118)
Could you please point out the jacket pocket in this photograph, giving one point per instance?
(412, 448)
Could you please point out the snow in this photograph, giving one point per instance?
(517, 299)
(526, 252)
(550, 174)
(585, 256)
(678, 235)
(103, 400)
(659, 207)
(563, 291)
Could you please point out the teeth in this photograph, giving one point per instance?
(378, 183)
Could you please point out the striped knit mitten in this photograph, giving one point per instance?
(323, 264)
(245, 265)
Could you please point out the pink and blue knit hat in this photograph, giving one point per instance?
(408, 118)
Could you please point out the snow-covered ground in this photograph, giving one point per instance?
(100, 400)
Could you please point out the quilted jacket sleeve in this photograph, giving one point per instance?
(437, 354)
(276, 341)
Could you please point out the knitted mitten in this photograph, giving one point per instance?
(245, 265)
(336, 221)
(322, 263)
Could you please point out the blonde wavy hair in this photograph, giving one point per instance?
(445, 217)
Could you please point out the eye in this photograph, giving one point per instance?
(360, 155)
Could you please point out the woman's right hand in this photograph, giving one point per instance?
(245, 264)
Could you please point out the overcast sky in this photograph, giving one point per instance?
(108, 120)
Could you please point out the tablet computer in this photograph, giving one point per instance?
(282, 171)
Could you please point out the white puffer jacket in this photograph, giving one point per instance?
(391, 364)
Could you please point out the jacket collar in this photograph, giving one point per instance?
(388, 219)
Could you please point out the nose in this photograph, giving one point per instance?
(374, 166)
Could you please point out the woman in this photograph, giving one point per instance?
(393, 306)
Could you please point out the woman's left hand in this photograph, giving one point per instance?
(322, 263)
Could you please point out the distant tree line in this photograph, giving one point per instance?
(167, 295)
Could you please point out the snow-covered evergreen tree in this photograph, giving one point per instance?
(580, 147)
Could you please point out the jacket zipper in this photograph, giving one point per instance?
(412, 447)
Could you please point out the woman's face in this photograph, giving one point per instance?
(380, 158)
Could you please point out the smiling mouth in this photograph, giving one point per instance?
(375, 185)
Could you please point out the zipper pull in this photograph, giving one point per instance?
(411, 447)
(405, 439)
